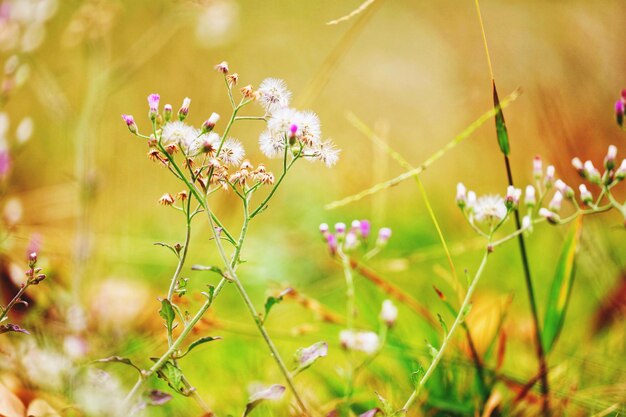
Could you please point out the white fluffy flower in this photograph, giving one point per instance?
(326, 152)
(186, 137)
(490, 208)
(367, 342)
(309, 129)
(280, 122)
(232, 152)
(273, 94)
(271, 145)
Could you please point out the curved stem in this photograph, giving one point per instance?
(457, 321)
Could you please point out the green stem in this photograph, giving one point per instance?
(457, 321)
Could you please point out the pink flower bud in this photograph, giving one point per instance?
(548, 215)
(340, 228)
(130, 123)
(324, 228)
(591, 172)
(184, 109)
(619, 112)
(167, 112)
(512, 197)
(549, 178)
(578, 164)
(210, 123)
(383, 236)
(389, 313)
(365, 228)
(153, 102)
(609, 160)
(585, 194)
(331, 240)
(537, 167)
(555, 203)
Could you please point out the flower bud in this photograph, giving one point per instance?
(471, 200)
(578, 164)
(527, 223)
(461, 195)
(548, 215)
(555, 203)
(167, 112)
(389, 313)
(620, 173)
(365, 228)
(383, 236)
(530, 200)
(130, 122)
(324, 228)
(512, 197)
(592, 174)
(210, 123)
(350, 241)
(609, 160)
(619, 112)
(549, 178)
(184, 109)
(32, 259)
(585, 195)
(340, 228)
(537, 168)
(331, 241)
(153, 102)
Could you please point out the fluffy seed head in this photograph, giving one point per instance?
(490, 209)
(273, 94)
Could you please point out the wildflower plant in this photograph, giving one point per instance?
(349, 246)
(541, 202)
(206, 163)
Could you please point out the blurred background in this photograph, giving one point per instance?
(415, 72)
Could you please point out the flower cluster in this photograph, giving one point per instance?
(487, 213)
(348, 240)
(289, 128)
(493, 210)
(210, 157)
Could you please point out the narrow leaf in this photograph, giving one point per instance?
(562, 283)
(306, 357)
(503, 135)
(269, 304)
(5, 328)
(444, 326)
(416, 376)
(209, 268)
(119, 359)
(275, 392)
(199, 342)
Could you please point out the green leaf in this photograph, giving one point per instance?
(387, 408)
(305, 357)
(562, 283)
(172, 375)
(503, 135)
(417, 375)
(269, 304)
(165, 245)
(167, 312)
(199, 342)
(119, 359)
(443, 324)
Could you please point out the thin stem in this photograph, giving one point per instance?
(541, 357)
(14, 301)
(176, 344)
(183, 256)
(244, 295)
(457, 321)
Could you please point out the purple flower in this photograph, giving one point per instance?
(366, 228)
(383, 235)
(331, 239)
(130, 122)
(153, 102)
